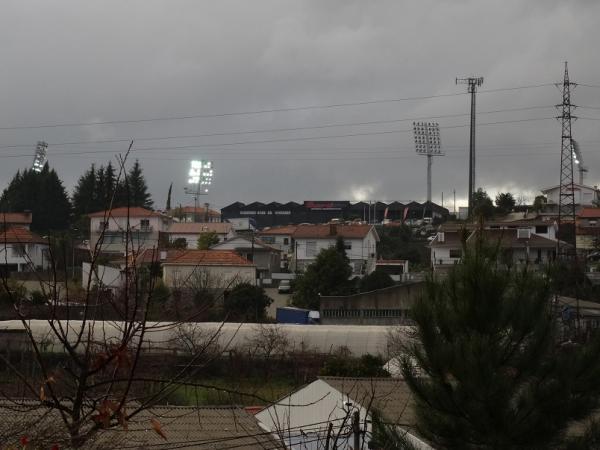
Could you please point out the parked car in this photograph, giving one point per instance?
(284, 287)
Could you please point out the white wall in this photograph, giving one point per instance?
(192, 239)
(35, 256)
(116, 230)
(106, 276)
(176, 275)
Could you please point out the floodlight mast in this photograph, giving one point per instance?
(200, 178)
(428, 143)
(40, 158)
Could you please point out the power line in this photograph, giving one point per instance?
(273, 130)
(297, 139)
(261, 111)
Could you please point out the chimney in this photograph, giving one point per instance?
(332, 229)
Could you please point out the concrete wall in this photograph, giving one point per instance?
(179, 275)
(389, 306)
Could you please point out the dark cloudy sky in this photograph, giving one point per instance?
(98, 61)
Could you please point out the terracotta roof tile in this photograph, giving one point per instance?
(15, 217)
(332, 231)
(206, 258)
(134, 211)
(589, 213)
(18, 235)
(203, 427)
(283, 230)
(197, 228)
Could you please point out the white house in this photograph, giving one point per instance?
(225, 267)
(139, 228)
(532, 242)
(191, 231)
(584, 195)
(301, 419)
(265, 257)
(22, 251)
(360, 242)
(279, 237)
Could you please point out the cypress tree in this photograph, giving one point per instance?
(492, 374)
(109, 184)
(168, 205)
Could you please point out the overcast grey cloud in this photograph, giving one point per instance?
(98, 61)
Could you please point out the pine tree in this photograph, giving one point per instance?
(110, 182)
(99, 204)
(491, 373)
(84, 194)
(41, 193)
(138, 191)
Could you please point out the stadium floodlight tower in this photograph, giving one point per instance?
(200, 179)
(40, 158)
(428, 143)
(578, 160)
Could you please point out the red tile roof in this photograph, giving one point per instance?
(15, 217)
(287, 230)
(197, 228)
(332, 231)
(589, 213)
(206, 258)
(134, 211)
(18, 235)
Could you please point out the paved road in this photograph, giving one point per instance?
(278, 300)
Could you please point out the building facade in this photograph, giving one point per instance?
(360, 243)
(191, 231)
(318, 212)
(23, 251)
(126, 229)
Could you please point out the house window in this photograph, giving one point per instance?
(286, 241)
(268, 239)
(593, 223)
(18, 250)
(541, 229)
(455, 253)
(311, 248)
(145, 224)
(347, 245)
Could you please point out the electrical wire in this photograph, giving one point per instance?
(273, 130)
(263, 111)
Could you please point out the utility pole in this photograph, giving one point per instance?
(206, 218)
(566, 203)
(472, 83)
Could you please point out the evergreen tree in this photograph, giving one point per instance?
(505, 202)
(99, 204)
(138, 191)
(482, 204)
(375, 280)
(41, 193)
(110, 182)
(168, 205)
(328, 275)
(84, 193)
(492, 374)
